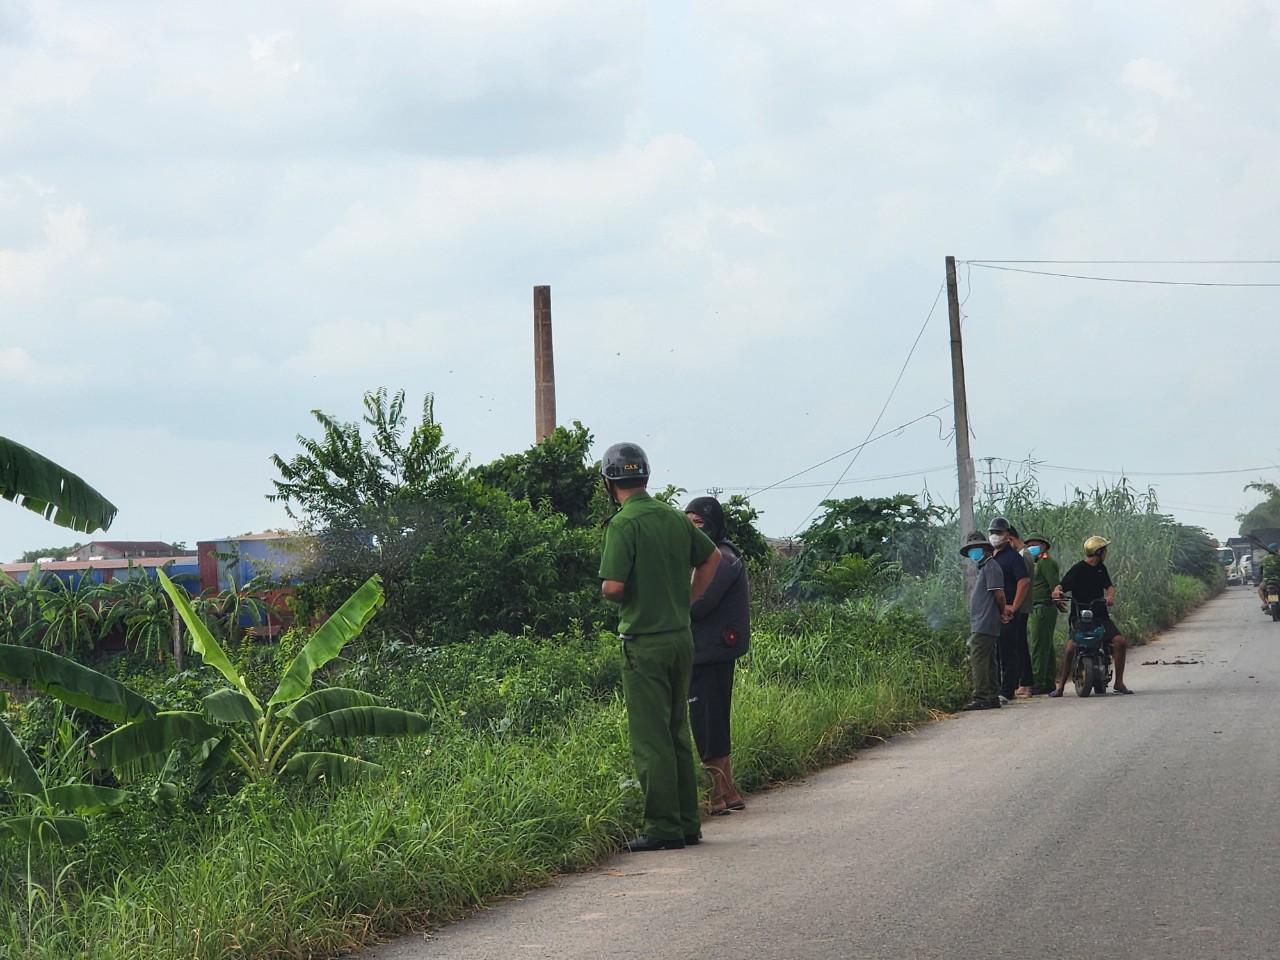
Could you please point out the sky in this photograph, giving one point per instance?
(216, 218)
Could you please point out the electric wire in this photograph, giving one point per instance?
(1134, 473)
(880, 415)
(842, 453)
(1077, 276)
(749, 489)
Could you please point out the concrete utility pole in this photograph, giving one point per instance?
(964, 462)
(544, 368)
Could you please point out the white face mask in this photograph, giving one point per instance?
(996, 539)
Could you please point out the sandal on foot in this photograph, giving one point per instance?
(739, 805)
(1121, 690)
(1055, 692)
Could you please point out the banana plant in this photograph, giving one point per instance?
(264, 740)
(57, 812)
(51, 490)
(71, 614)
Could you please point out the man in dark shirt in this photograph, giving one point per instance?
(1088, 581)
(1017, 588)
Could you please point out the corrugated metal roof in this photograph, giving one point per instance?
(124, 546)
(57, 565)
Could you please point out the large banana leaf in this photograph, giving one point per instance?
(230, 706)
(368, 722)
(148, 738)
(45, 831)
(334, 767)
(327, 642)
(37, 483)
(216, 753)
(202, 640)
(86, 798)
(326, 700)
(16, 766)
(72, 683)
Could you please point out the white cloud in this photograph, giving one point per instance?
(1152, 76)
(17, 365)
(25, 272)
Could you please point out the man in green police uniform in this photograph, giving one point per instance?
(649, 548)
(1044, 614)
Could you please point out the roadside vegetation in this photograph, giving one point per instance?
(442, 723)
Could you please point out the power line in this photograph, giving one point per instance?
(880, 415)
(887, 433)
(1229, 263)
(1077, 276)
(807, 486)
(1146, 473)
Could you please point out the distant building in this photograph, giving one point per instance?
(125, 550)
(184, 570)
(234, 561)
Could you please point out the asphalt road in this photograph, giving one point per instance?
(1108, 827)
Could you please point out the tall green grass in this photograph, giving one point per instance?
(527, 772)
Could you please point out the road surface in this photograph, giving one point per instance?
(1109, 827)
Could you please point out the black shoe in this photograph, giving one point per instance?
(645, 844)
(981, 705)
(693, 839)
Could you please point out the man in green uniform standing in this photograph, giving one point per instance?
(649, 549)
(1044, 614)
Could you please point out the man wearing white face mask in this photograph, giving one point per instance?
(1017, 584)
(1044, 614)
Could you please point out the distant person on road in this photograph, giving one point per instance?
(721, 634)
(1087, 581)
(1044, 614)
(649, 548)
(1268, 572)
(1026, 683)
(986, 617)
(1012, 647)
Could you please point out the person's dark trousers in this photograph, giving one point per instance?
(1012, 647)
(1025, 674)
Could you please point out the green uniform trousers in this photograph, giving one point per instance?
(656, 668)
(1044, 669)
(984, 666)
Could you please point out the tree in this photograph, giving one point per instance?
(58, 553)
(1265, 514)
(37, 483)
(557, 473)
(740, 521)
(371, 500)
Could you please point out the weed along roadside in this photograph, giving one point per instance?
(432, 749)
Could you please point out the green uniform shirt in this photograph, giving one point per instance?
(1045, 579)
(1270, 569)
(651, 547)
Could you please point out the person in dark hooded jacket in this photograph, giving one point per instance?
(721, 620)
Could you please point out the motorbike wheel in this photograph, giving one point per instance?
(1275, 611)
(1082, 677)
(1100, 677)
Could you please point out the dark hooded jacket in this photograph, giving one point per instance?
(721, 617)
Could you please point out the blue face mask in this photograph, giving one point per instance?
(975, 554)
(1036, 550)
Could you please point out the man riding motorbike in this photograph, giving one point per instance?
(1088, 581)
(1269, 572)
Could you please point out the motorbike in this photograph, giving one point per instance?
(1091, 667)
(1272, 589)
